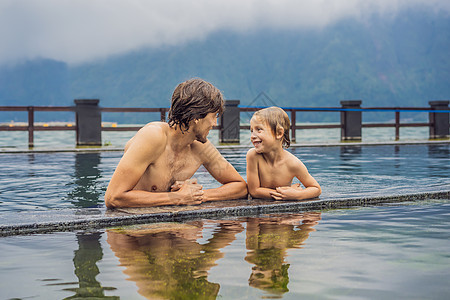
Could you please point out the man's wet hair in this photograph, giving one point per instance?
(194, 99)
(276, 117)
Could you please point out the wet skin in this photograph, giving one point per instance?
(158, 164)
(271, 169)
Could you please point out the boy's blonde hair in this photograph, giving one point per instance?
(276, 117)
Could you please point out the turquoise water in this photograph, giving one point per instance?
(66, 139)
(384, 252)
(396, 251)
(40, 181)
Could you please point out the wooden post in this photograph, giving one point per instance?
(351, 121)
(229, 132)
(88, 122)
(439, 122)
(30, 126)
(293, 121)
(163, 114)
(397, 125)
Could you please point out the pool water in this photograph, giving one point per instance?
(393, 251)
(40, 181)
(67, 139)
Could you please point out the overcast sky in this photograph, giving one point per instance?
(76, 31)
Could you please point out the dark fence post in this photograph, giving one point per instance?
(88, 122)
(30, 126)
(293, 126)
(351, 121)
(229, 123)
(439, 122)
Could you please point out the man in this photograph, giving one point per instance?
(162, 157)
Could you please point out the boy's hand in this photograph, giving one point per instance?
(286, 192)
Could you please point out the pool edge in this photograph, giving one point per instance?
(99, 222)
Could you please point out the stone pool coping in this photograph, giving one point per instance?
(23, 223)
(337, 144)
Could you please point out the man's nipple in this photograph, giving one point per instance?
(154, 188)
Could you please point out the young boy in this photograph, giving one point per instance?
(270, 168)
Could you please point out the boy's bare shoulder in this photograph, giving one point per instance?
(292, 160)
(251, 153)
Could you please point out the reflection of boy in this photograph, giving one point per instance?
(267, 242)
(270, 168)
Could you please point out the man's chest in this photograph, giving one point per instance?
(170, 168)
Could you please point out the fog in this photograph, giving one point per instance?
(77, 31)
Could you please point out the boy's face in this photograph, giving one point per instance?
(261, 135)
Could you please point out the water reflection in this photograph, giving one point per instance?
(31, 162)
(267, 241)
(350, 156)
(170, 261)
(439, 161)
(166, 260)
(86, 191)
(85, 262)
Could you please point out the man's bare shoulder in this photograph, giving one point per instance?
(155, 129)
(153, 134)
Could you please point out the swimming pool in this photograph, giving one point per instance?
(43, 181)
(392, 251)
(395, 251)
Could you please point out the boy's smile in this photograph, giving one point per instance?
(261, 135)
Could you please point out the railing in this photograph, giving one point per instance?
(31, 127)
(396, 123)
(161, 110)
(88, 120)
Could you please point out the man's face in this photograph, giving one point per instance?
(203, 127)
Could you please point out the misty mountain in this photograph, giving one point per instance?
(384, 61)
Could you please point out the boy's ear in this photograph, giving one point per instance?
(280, 132)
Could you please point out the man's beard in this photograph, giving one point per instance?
(201, 139)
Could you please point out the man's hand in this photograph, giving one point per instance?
(287, 192)
(179, 183)
(188, 191)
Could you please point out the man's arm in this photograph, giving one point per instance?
(233, 185)
(254, 185)
(146, 147)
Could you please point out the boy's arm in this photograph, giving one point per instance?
(254, 186)
(136, 159)
(312, 188)
(233, 185)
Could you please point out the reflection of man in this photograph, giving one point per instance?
(161, 157)
(167, 262)
(267, 242)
